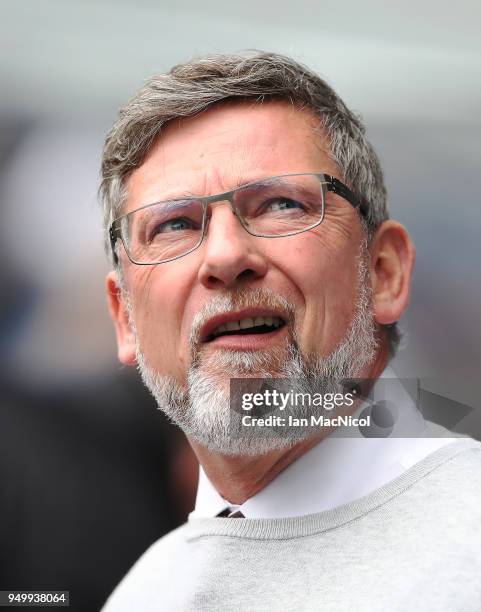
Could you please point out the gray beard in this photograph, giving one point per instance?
(203, 410)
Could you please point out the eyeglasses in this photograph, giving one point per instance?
(274, 207)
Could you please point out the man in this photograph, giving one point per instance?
(250, 239)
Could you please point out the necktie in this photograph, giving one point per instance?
(230, 513)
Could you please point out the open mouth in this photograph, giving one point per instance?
(247, 326)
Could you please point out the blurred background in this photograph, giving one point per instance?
(91, 473)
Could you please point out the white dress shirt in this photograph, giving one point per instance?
(341, 468)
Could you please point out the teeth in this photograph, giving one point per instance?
(247, 323)
(232, 325)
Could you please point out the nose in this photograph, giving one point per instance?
(231, 255)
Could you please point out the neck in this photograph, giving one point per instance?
(237, 478)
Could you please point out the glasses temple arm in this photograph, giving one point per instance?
(114, 235)
(335, 186)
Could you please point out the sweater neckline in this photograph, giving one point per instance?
(311, 524)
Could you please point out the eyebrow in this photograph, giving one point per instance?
(264, 182)
(170, 205)
(188, 195)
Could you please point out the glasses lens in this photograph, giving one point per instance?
(281, 205)
(163, 231)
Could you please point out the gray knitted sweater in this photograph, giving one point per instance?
(413, 544)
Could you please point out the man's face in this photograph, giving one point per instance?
(316, 271)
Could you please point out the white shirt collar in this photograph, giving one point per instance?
(336, 471)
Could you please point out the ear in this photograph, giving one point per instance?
(392, 261)
(119, 313)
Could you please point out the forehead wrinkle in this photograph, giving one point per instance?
(223, 177)
(258, 179)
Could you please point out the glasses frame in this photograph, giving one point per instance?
(330, 183)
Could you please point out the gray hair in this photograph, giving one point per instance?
(190, 88)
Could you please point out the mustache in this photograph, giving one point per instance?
(238, 299)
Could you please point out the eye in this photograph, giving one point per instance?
(176, 225)
(179, 224)
(281, 204)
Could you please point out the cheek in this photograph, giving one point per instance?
(158, 314)
(326, 279)
(321, 271)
